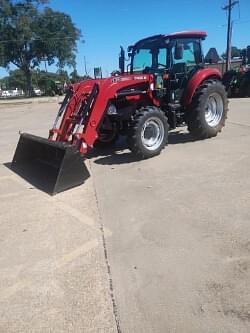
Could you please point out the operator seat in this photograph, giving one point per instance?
(178, 75)
(179, 69)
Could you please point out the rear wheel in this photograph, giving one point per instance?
(208, 110)
(148, 133)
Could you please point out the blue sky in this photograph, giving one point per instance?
(107, 24)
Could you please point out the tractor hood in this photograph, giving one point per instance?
(115, 84)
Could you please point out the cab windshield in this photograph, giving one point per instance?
(148, 59)
(155, 56)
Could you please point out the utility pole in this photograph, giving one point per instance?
(85, 66)
(229, 7)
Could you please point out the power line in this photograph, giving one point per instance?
(241, 22)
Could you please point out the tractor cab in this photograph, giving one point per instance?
(156, 54)
(173, 59)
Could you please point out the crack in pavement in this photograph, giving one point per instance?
(111, 288)
(239, 124)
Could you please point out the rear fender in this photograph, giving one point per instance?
(200, 76)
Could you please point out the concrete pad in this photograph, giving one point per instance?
(54, 276)
(33, 100)
(174, 229)
(179, 251)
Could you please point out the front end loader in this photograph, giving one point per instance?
(167, 86)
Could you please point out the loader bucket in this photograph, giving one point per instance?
(49, 165)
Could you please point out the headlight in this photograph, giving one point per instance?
(112, 109)
(152, 86)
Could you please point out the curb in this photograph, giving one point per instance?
(31, 101)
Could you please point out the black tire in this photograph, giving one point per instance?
(230, 92)
(106, 139)
(137, 142)
(200, 124)
(245, 91)
(107, 134)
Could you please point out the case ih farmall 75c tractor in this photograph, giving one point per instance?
(166, 85)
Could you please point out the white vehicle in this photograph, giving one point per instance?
(6, 93)
(37, 91)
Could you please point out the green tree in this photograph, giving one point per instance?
(16, 80)
(75, 77)
(33, 33)
(235, 52)
(62, 76)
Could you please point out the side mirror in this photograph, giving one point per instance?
(122, 60)
(178, 51)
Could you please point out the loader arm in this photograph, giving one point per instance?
(85, 106)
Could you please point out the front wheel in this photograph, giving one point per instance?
(148, 133)
(208, 111)
(107, 134)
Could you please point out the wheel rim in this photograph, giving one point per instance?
(152, 133)
(214, 110)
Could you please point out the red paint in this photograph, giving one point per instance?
(108, 89)
(191, 33)
(86, 135)
(197, 79)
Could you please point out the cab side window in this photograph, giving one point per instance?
(191, 53)
(162, 58)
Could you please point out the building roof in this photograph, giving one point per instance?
(212, 56)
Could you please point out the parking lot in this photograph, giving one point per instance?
(154, 246)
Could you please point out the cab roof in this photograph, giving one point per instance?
(191, 33)
(180, 34)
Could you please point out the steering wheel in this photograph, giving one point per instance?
(164, 66)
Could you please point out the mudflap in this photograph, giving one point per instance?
(51, 166)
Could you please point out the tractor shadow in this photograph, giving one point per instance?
(114, 154)
(41, 180)
(119, 153)
(178, 137)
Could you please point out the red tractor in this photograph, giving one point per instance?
(165, 86)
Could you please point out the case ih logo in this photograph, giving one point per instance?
(120, 78)
(140, 77)
(116, 79)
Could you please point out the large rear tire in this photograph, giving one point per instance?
(148, 133)
(208, 111)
